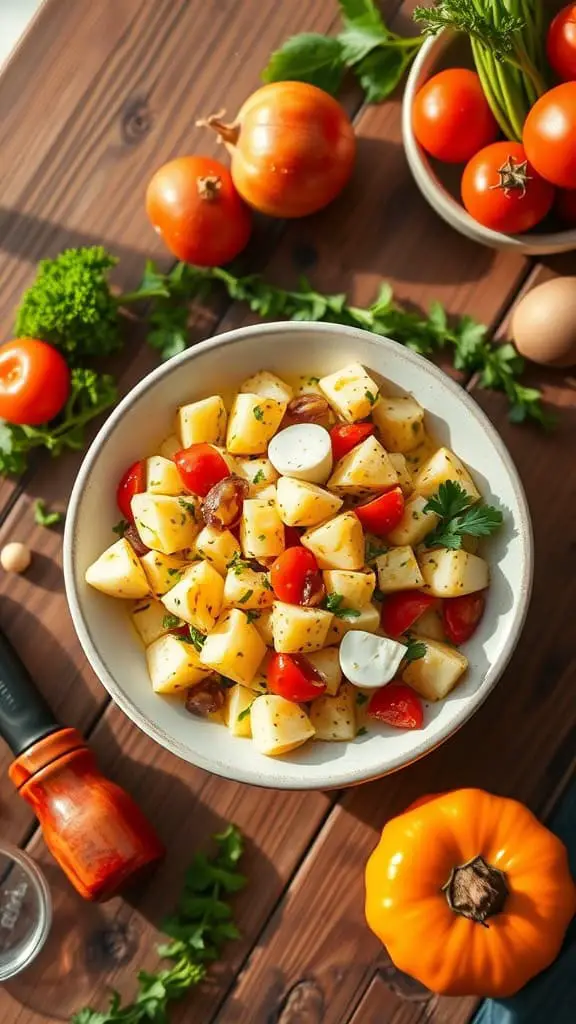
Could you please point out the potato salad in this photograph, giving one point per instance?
(302, 561)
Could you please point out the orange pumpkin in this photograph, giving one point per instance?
(469, 893)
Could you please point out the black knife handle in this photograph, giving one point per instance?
(24, 715)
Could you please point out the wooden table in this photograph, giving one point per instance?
(98, 95)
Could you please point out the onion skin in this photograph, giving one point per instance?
(293, 149)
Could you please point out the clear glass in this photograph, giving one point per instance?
(25, 910)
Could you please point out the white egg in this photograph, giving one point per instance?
(303, 451)
(368, 660)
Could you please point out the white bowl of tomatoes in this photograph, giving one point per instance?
(483, 185)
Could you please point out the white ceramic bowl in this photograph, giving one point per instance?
(146, 416)
(439, 183)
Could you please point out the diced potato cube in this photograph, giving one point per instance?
(162, 477)
(253, 421)
(364, 470)
(403, 473)
(247, 589)
(238, 704)
(118, 572)
(218, 547)
(173, 665)
(202, 422)
(398, 570)
(356, 588)
(327, 663)
(434, 675)
(334, 718)
(259, 473)
(299, 629)
(448, 573)
(197, 598)
(268, 385)
(261, 529)
(170, 445)
(259, 684)
(444, 465)
(163, 571)
(149, 618)
(429, 624)
(337, 544)
(264, 626)
(234, 647)
(166, 523)
(302, 504)
(399, 421)
(368, 620)
(415, 523)
(278, 725)
(268, 493)
(351, 392)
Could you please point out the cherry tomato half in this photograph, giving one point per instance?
(549, 135)
(133, 482)
(294, 575)
(561, 44)
(293, 677)
(382, 514)
(461, 615)
(401, 610)
(346, 436)
(200, 467)
(34, 382)
(397, 705)
(504, 192)
(451, 116)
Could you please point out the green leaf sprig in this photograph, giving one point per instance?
(43, 516)
(459, 517)
(333, 603)
(199, 928)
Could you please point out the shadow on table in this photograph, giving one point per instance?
(30, 237)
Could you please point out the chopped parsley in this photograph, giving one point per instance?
(245, 597)
(252, 615)
(361, 699)
(373, 550)
(177, 573)
(188, 507)
(259, 477)
(121, 527)
(197, 639)
(415, 650)
(170, 622)
(333, 603)
(43, 516)
(363, 731)
(459, 517)
(237, 564)
(258, 412)
(244, 714)
(371, 398)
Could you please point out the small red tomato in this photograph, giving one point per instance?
(561, 44)
(194, 207)
(461, 615)
(397, 705)
(34, 382)
(133, 482)
(451, 116)
(401, 610)
(346, 436)
(382, 514)
(293, 677)
(549, 135)
(565, 205)
(200, 467)
(295, 575)
(502, 191)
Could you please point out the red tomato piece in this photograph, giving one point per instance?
(133, 482)
(293, 677)
(346, 436)
(295, 575)
(382, 514)
(549, 135)
(291, 537)
(451, 116)
(561, 44)
(34, 382)
(200, 467)
(401, 610)
(503, 191)
(461, 615)
(397, 705)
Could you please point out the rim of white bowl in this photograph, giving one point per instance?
(441, 201)
(334, 778)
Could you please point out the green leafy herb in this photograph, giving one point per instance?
(121, 527)
(43, 517)
(175, 572)
(197, 639)
(258, 412)
(244, 714)
(198, 931)
(309, 57)
(188, 507)
(245, 596)
(259, 477)
(170, 622)
(378, 595)
(373, 550)
(371, 398)
(333, 603)
(459, 517)
(252, 615)
(237, 564)
(415, 650)
(362, 731)
(361, 699)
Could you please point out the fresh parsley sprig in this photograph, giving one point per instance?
(43, 516)
(333, 603)
(459, 517)
(199, 929)
(415, 649)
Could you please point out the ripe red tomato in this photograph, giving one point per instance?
(295, 575)
(382, 514)
(34, 382)
(397, 705)
(451, 116)
(200, 467)
(401, 610)
(346, 436)
(565, 205)
(293, 677)
(193, 205)
(549, 135)
(561, 44)
(502, 191)
(133, 482)
(461, 615)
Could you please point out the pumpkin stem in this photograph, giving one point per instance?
(476, 890)
(228, 133)
(209, 186)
